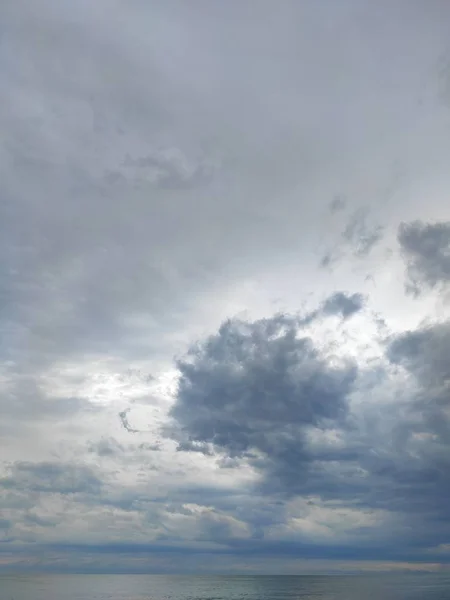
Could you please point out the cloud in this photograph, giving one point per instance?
(166, 168)
(107, 447)
(343, 305)
(423, 353)
(125, 423)
(426, 249)
(420, 465)
(253, 390)
(265, 394)
(153, 195)
(337, 204)
(55, 477)
(358, 237)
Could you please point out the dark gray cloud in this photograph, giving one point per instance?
(123, 416)
(194, 446)
(343, 305)
(338, 304)
(426, 249)
(255, 388)
(423, 433)
(424, 354)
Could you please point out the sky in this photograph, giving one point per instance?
(224, 286)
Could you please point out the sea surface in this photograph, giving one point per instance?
(169, 587)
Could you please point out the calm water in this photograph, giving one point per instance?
(162, 587)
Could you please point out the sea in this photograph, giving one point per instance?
(171, 587)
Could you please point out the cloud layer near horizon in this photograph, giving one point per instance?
(225, 240)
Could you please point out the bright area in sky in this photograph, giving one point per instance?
(224, 286)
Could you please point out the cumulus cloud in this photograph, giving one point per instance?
(254, 389)
(263, 392)
(420, 466)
